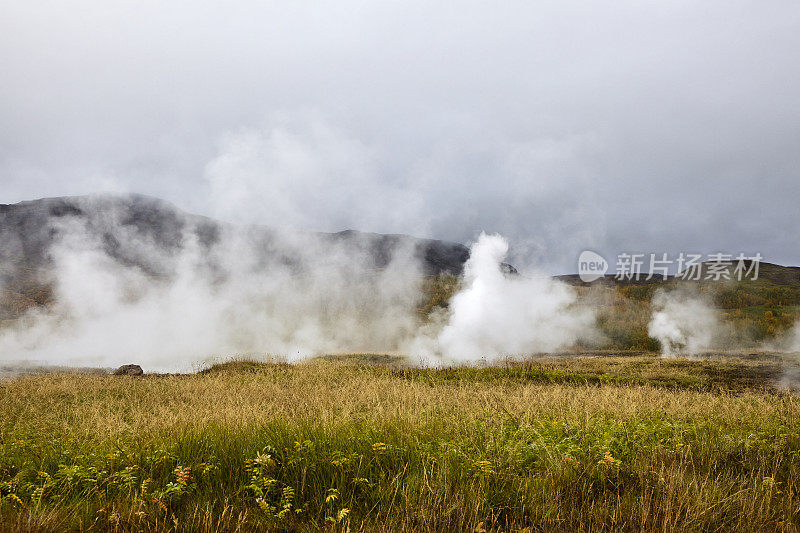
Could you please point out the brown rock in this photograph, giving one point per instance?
(129, 370)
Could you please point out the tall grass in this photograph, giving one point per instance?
(605, 443)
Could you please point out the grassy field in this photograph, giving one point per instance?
(596, 442)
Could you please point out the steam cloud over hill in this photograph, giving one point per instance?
(107, 280)
(133, 278)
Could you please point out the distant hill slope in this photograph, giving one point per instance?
(123, 224)
(767, 272)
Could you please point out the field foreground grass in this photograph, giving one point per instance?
(553, 444)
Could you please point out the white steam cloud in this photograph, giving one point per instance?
(683, 322)
(498, 315)
(293, 295)
(315, 296)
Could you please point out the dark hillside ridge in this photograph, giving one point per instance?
(28, 230)
(123, 224)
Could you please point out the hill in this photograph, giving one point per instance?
(140, 231)
(146, 234)
(767, 272)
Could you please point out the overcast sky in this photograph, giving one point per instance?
(648, 126)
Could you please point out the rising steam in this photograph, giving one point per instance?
(499, 315)
(292, 294)
(683, 322)
(301, 295)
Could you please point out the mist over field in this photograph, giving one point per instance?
(101, 281)
(179, 300)
(528, 132)
(410, 266)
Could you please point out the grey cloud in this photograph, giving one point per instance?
(646, 126)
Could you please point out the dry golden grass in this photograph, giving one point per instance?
(558, 444)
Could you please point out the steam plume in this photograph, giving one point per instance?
(499, 315)
(683, 322)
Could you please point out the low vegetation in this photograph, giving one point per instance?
(591, 442)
